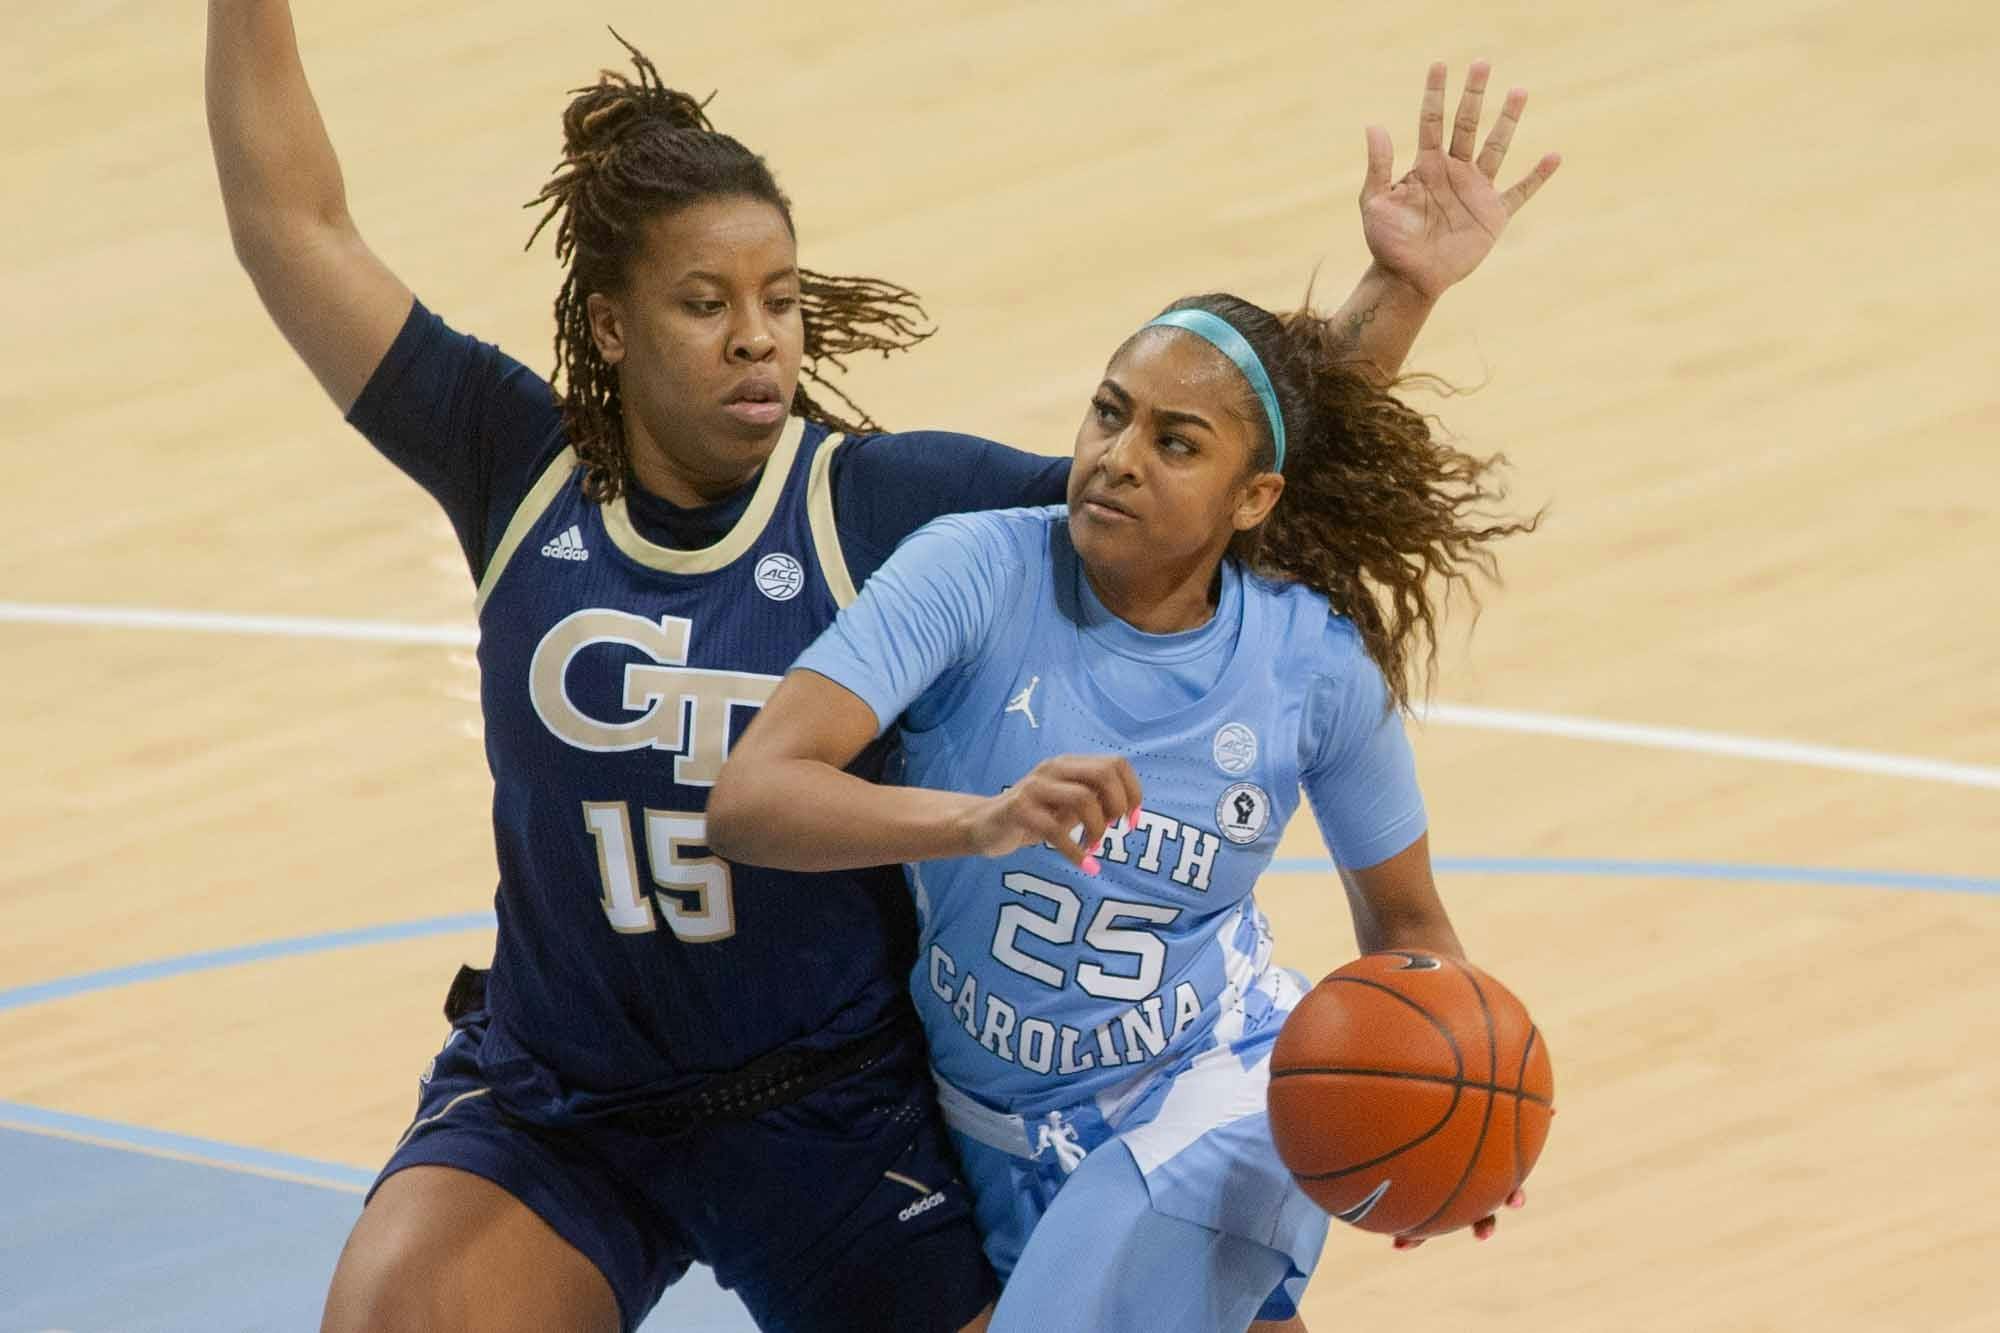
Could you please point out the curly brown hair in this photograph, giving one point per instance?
(633, 150)
(1375, 507)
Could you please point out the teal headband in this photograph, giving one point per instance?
(1223, 334)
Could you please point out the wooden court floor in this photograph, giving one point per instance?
(1742, 347)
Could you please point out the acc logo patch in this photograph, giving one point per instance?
(780, 577)
(1235, 748)
(1243, 812)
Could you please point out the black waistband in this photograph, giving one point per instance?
(777, 1079)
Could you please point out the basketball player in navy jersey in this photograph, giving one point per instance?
(675, 1059)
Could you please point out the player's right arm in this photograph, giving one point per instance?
(783, 799)
(337, 304)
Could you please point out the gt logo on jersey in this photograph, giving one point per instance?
(679, 708)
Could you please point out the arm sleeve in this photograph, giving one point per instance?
(921, 619)
(885, 487)
(1359, 774)
(462, 419)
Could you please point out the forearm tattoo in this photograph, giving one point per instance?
(1349, 338)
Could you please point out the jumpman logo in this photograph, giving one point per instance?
(1024, 703)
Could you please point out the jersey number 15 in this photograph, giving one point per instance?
(691, 892)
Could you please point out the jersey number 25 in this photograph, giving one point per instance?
(1146, 951)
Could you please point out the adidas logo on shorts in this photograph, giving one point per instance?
(921, 1206)
(567, 545)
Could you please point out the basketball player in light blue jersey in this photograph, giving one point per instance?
(1108, 711)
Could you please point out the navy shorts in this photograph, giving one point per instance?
(841, 1211)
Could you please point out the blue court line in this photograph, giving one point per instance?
(85, 983)
(62, 988)
(1742, 874)
(210, 1152)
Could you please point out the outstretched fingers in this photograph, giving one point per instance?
(1524, 189)
(1381, 161)
(1465, 125)
(1495, 151)
(1430, 120)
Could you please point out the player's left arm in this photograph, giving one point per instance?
(1436, 225)
(1395, 904)
(1361, 778)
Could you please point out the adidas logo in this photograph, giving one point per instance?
(921, 1206)
(567, 545)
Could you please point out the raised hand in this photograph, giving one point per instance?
(1435, 224)
(1067, 802)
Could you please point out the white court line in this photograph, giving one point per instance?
(1715, 742)
(1909, 767)
(217, 622)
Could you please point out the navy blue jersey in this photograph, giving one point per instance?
(622, 649)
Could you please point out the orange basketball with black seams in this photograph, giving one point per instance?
(1410, 1093)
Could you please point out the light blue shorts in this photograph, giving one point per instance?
(1170, 1213)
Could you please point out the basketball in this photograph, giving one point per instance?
(1410, 1094)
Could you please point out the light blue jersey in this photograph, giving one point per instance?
(1102, 1044)
(1040, 986)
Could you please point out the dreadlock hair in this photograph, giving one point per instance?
(1374, 506)
(634, 150)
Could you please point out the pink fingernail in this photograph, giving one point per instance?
(1135, 817)
(1091, 865)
